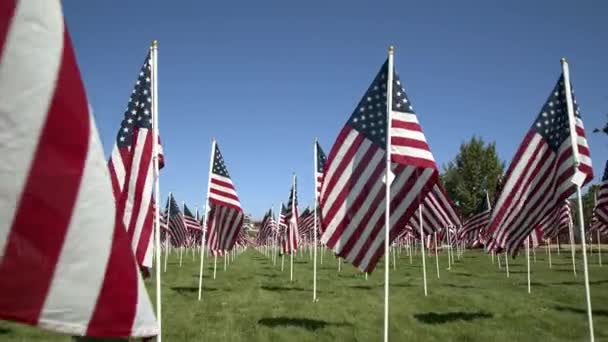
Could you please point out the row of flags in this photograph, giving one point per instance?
(379, 173)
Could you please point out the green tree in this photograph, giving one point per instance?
(475, 170)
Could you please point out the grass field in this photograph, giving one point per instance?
(475, 301)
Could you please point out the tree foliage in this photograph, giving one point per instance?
(475, 170)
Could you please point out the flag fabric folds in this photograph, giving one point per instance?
(59, 234)
(352, 200)
(131, 166)
(176, 224)
(600, 212)
(225, 213)
(319, 168)
(540, 177)
(475, 225)
(291, 239)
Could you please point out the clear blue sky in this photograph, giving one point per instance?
(265, 78)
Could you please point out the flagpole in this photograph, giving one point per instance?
(168, 236)
(573, 252)
(181, 248)
(422, 250)
(314, 262)
(599, 243)
(549, 248)
(155, 149)
(436, 256)
(449, 250)
(292, 232)
(507, 263)
(581, 220)
(205, 228)
(387, 213)
(528, 260)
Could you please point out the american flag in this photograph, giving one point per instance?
(195, 231)
(476, 224)
(557, 221)
(535, 237)
(291, 237)
(319, 167)
(600, 212)
(540, 176)
(267, 228)
(307, 224)
(177, 224)
(353, 192)
(438, 212)
(131, 166)
(66, 263)
(225, 213)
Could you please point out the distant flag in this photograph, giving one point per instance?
(557, 221)
(291, 238)
(438, 212)
(542, 174)
(601, 207)
(353, 193)
(195, 231)
(306, 223)
(267, 228)
(320, 167)
(475, 225)
(536, 237)
(177, 225)
(131, 166)
(225, 213)
(65, 263)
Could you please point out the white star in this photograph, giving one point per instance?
(375, 87)
(411, 108)
(362, 109)
(398, 93)
(125, 129)
(398, 105)
(551, 104)
(363, 117)
(538, 124)
(355, 120)
(370, 107)
(130, 121)
(122, 138)
(369, 99)
(398, 82)
(404, 100)
(133, 112)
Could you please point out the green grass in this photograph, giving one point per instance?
(254, 301)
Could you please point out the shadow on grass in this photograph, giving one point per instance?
(401, 285)
(304, 323)
(533, 283)
(362, 287)
(187, 290)
(5, 331)
(300, 262)
(597, 312)
(281, 288)
(462, 274)
(447, 317)
(456, 286)
(595, 282)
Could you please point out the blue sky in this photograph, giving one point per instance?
(266, 77)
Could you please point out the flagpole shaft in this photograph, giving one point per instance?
(581, 220)
(205, 228)
(422, 250)
(581, 223)
(549, 249)
(387, 213)
(291, 266)
(507, 263)
(214, 266)
(599, 248)
(436, 256)
(314, 262)
(168, 236)
(572, 247)
(528, 261)
(156, 184)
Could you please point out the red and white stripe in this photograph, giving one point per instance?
(600, 211)
(132, 174)
(353, 192)
(538, 181)
(65, 261)
(438, 212)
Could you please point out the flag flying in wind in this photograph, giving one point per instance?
(225, 213)
(353, 193)
(320, 167)
(131, 166)
(557, 221)
(476, 224)
(195, 231)
(65, 260)
(267, 228)
(291, 239)
(601, 207)
(540, 176)
(177, 225)
(438, 212)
